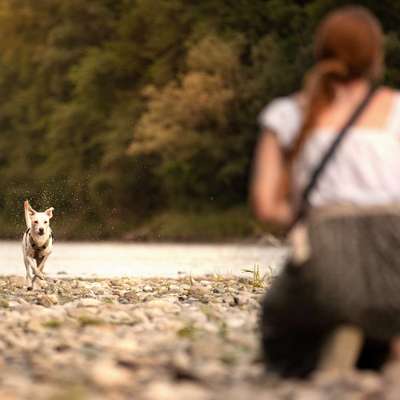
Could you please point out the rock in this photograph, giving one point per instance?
(309, 394)
(11, 304)
(47, 300)
(116, 316)
(126, 346)
(211, 371)
(41, 284)
(147, 288)
(139, 316)
(170, 391)
(17, 281)
(107, 374)
(181, 361)
(198, 290)
(34, 325)
(130, 297)
(89, 303)
(241, 299)
(4, 302)
(162, 290)
(164, 306)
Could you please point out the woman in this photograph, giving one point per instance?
(352, 275)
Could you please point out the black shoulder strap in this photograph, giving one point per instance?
(304, 202)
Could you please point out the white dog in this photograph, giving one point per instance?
(37, 242)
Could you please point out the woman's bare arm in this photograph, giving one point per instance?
(269, 188)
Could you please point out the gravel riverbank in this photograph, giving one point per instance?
(150, 339)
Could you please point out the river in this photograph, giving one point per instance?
(107, 259)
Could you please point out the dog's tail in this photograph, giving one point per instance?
(28, 210)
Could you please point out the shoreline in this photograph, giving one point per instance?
(109, 260)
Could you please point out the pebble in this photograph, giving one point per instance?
(89, 303)
(106, 374)
(171, 391)
(47, 300)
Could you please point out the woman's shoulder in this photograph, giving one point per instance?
(279, 107)
(283, 116)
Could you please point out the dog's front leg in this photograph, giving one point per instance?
(28, 271)
(38, 271)
(40, 267)
(31, 267)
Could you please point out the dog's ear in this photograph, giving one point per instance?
(49, 212)
(28, 207)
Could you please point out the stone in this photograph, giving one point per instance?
(17, 281)
(89, 302)
(107, 374)
(47, 300)
(162, 290)
(170, 391)
(164, 305)
(241, 299)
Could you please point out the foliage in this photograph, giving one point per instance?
(116, 110)
(258, 279)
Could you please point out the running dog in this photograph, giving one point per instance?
(37, 242)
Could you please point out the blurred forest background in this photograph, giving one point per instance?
(138, 118)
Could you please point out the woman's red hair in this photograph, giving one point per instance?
(348, 46)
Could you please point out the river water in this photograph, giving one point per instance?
(145, 260)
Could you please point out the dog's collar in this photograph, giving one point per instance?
(34, 245)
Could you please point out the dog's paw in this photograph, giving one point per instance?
(42, 284)
(38, 274)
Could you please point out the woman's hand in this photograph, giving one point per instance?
(270, 183)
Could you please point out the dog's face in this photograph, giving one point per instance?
(40, 221)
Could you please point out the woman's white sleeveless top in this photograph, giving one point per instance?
(365, 169)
